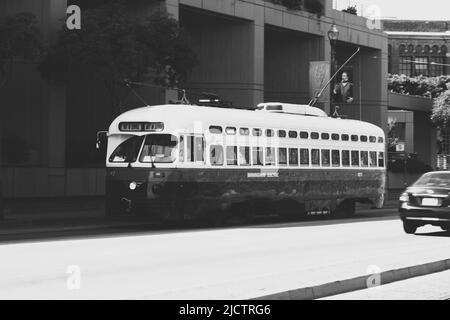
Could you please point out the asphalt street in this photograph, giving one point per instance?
(240, 262)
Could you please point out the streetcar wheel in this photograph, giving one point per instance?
(345, 209)
(410, 228)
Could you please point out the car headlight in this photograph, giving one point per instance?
(404, 197)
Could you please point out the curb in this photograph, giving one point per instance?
(358, 283)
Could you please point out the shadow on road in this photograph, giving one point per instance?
(123, 227)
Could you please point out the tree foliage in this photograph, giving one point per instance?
(112, 46)
(441, 110)
(429, 87)
(20, 37)
(313, 6)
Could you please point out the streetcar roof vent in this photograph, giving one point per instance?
(300, 109)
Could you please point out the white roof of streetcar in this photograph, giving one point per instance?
(181, 117)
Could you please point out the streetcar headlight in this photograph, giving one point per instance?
(133, 185)
(404, 197)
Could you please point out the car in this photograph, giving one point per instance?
(426, 201)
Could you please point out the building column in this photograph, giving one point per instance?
(257, 58)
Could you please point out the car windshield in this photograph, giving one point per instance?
(127, 151)
(437, 179)
(159, 148)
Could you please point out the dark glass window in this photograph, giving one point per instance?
(160, 148)
(364, 158)
(282, 156)
(293, 134)
(304, 157)
(270, 156)
(345, 158)
(355, 158)
(363, 138)
(380, 140)
(315, 157)
(325, 136)
(335, 137)
(373, 159)
(405, 65)
(257, 132)
(354, 137)
(345, 137)
(314, 135)
(195, 149)
(258, 156)
(127, 151)
(281, 133)
(244, 156)
(216, 155)
(326, 158)
(304, 135)
(335, 158)
(232, 156)
(381, 159)
(230, 131)
(269, 133)
(373, 139)
(244, 131)
(293, 157)
(215, 129)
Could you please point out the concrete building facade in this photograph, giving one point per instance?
(249, 51)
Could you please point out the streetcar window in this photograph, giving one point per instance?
(257, 132)
(373, 158)
(281, 133)
(304, 135)
(381, 159)
(345, 137)
(293, 157)
(335, 158)
(380, 140)
(216, 155)
(373, 139)
(244, 131)
(363, 138)
(270, 156)
(325, 136)
(326, 158)
(335, 137)
(304, 157)
(355, 158)
(159, 148)
(269, 133)
(258, 156)
(293, 134)
(314, 135)
(215, 129)
(232, 156)
(244, 156)
(195, 149)
(127, 151)
(230, 131)
(354, 137)
(282, 156)
(364, 158)
(345, 158)
(315, 157)
(181, 159)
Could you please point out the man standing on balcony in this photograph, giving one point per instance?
(343, 91)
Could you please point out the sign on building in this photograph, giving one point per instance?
(319, 74)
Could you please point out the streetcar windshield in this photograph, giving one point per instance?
(127, 151)
(437, 179)
(159, 148)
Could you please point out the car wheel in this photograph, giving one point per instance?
(409, 227)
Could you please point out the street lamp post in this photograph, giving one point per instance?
(333, 35)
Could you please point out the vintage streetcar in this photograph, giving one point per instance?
(178, 162)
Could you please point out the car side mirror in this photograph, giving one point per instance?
(101, 138)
